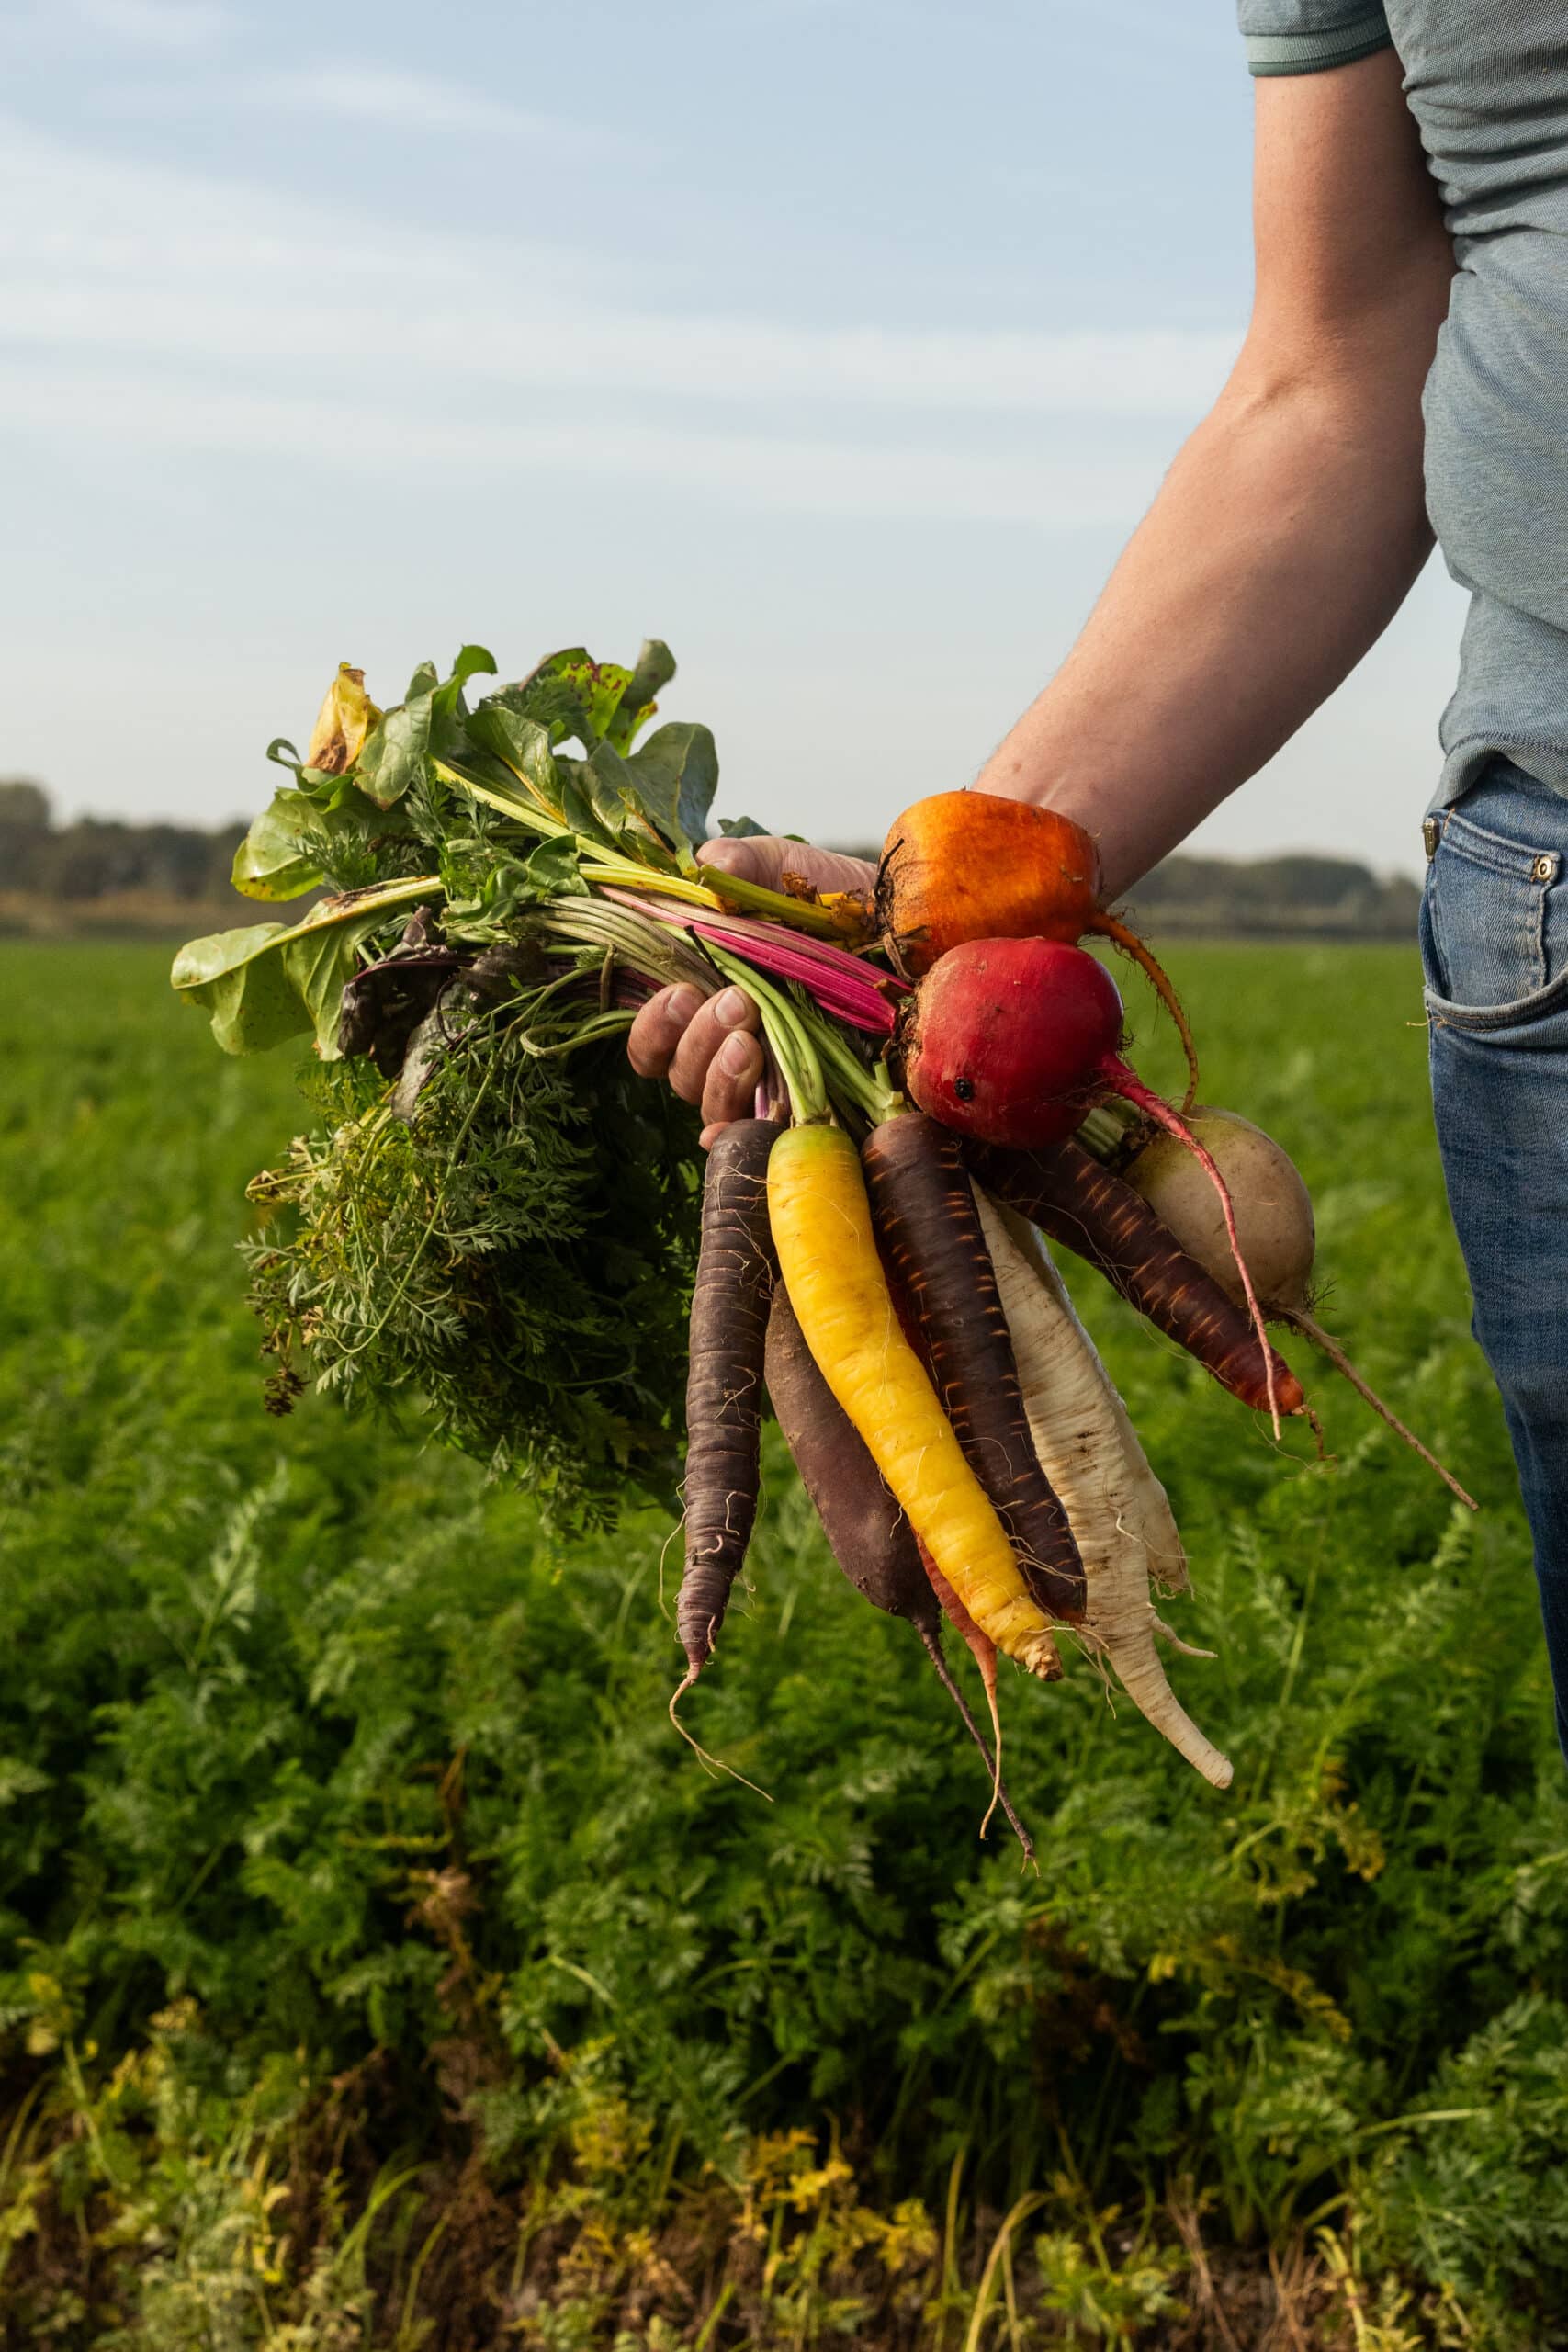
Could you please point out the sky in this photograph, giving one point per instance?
(840, 343)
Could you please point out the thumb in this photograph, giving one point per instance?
(766, 858)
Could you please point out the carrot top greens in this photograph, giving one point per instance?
(493, 1232)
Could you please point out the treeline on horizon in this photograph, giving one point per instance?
(103, 874)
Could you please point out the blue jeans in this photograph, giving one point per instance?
(1494, 946)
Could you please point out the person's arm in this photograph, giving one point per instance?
(1281, 543)
(1293, 522)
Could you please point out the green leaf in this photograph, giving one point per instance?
(610, 785)
(395, 751)
(579, 805)
(248, 993)
(552, 869)
(521, 744)
(472, 661)
(740, 828)
(620, 816)
(655, 668)
(273, 860)
(320, 965)
(676, 775)
(268, 982)
(569, 693)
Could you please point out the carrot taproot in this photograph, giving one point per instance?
(827, 1257)
(868, 1535)
(963, 865)
(1119, 1510)
(1104, 1221)
(924, 1213)
(736, 1273)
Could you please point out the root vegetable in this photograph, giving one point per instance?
(1119, 1510)
(1274, 1218)
(736, 1272)
(1103, 1220)
(926, 1220)
(963, 865)
(821, 1224)
(867, 1533)
(1013, 1040)
(1273, 1208)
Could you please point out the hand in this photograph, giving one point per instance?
(709, 1050)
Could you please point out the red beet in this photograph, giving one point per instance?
(1011, 1041)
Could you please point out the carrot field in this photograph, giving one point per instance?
(381, 1970)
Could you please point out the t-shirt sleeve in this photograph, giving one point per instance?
(1308, 36)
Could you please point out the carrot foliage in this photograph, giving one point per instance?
(510, 1266)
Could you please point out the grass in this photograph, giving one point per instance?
(381, 1970)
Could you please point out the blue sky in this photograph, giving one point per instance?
(838, 342)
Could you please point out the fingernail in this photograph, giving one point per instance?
(735, 1056)
(729, 1008)
(685, 1003)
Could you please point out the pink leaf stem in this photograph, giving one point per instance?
(840, 983)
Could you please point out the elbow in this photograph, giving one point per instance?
(1346, 359)
(1339, 384)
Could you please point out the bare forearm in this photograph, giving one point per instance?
(1283, 540)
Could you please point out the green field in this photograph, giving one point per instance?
(381, 1969)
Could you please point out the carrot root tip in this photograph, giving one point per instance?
(1042, 1658)
(1187, 1650)
(1329, 1346)
(713, 1764)
(944, 1676)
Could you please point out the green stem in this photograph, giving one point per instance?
(661, 955)
(872, 1091)
(1104, 1130)
(788, 1038)
(800, 914)
(603, 1024)
(601, 864)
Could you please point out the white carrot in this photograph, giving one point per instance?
(1090, 1452)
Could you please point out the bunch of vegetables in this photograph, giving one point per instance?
(503, 1229)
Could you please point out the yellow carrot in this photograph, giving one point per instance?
(821, 1221)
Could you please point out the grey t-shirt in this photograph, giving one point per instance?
(1487, 83)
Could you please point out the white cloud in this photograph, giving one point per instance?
(148, 308)
(355, 93)
(525, 337)
(169, 25)
(127, 258)
(758, 470)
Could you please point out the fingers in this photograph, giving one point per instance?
(708, 1050)
(719, 1060)
(658, 1028)
(766, 858)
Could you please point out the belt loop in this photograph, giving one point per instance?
(1431, 833)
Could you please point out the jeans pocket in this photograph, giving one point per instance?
(1495, 921)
